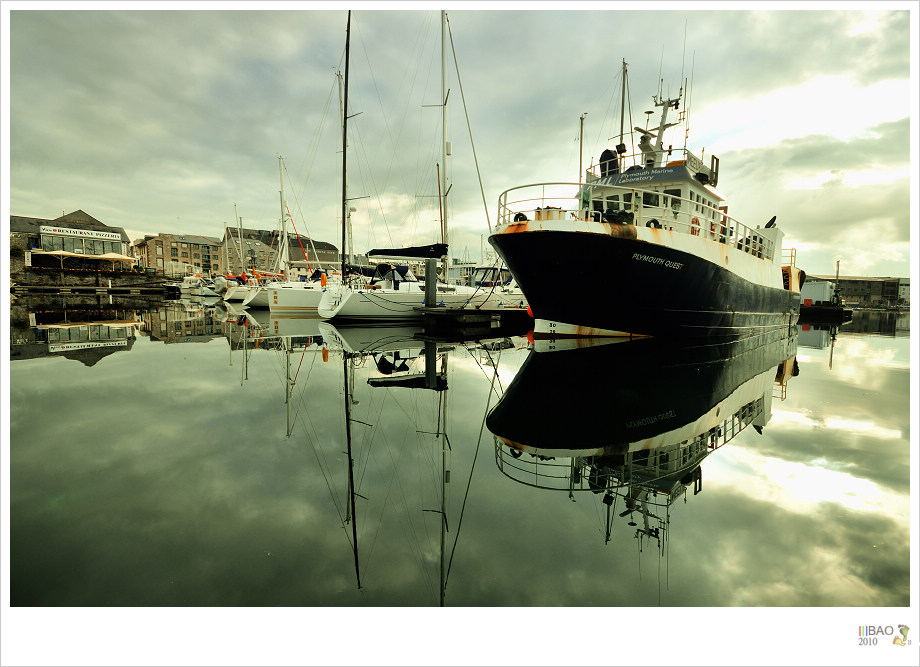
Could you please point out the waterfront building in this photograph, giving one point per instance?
(258, 249)
(868, 292)
(180, 255)
(74, 241)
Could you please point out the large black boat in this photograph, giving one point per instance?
(644, 246)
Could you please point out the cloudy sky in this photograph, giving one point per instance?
(173, 121)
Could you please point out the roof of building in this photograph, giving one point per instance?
(859, 278)
(196, 238)
(75, 220)
(270, 238)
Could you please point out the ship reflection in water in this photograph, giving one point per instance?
(638, 432)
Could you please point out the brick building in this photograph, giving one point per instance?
(258, 249)
(178, 255)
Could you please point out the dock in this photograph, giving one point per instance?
(149, 289)
(449, 324)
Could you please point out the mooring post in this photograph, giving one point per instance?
(431, 283)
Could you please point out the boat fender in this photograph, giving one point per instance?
(325, 354)
(520, 217)
(322, 280)
(653, 223)
(695, 226)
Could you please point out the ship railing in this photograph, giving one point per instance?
(641, 207)
(646, 467)
(669, 158)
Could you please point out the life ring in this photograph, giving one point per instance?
(520, 217)
(695, 226)
(653, 223)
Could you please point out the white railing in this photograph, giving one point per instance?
(668, 158)
(641, 207)
(573, 473)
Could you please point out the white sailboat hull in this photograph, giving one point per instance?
(295, 297)
(386, 304)
(237, 292)
(257, 298)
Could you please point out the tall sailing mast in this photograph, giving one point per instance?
(351, 470)
(345, 146)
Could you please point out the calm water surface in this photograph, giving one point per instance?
(169, 469)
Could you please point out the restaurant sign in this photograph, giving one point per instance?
(67, 347)
(83, 233)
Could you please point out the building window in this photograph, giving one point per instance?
(175, 252)
(185, 254)
(159, 248)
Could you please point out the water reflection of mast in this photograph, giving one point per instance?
(351, 463)
(351, 467)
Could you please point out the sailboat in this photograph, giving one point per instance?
(657, 236)
(260, 296)
(395, 292)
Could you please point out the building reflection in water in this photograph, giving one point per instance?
(632, 422)
(83, 328)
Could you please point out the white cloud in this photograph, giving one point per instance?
(831, 105)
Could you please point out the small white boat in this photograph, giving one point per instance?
(496, 289)
(196, 286)
(240, 291)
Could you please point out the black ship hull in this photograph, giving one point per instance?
(604, 397)
(583, 284)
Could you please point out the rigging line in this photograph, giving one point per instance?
(304, 388)
(302, 217)
(469, 127)
(310, 159)
(472, 468)
(329, 484)
(393, 142)
(396, 480)
(370, 175)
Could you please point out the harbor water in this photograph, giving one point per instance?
(184, 455)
